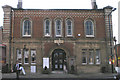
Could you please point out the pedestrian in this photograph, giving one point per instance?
(65, 66)
(19, 67)
(65, 69)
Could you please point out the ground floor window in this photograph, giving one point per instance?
(98, 56)
(33, 56)
(91, 56)
(19, 55)
(26, 56)
(84, 56)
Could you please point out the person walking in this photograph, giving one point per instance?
(19, 67)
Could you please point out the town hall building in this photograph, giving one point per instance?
(76, 40)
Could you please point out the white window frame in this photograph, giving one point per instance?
(33, 51)
(45, 34)
(23, 31)
(19, 55)
(60, 28)
(67, 28)
(98, 56)
(85, 52)
(25, 55)
(91, 56)
(86, 28)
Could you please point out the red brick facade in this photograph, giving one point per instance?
(72, 48)
(79, 16)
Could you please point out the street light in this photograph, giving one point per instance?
(109, 15)
(116, 50)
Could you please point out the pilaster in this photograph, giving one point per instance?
(7, 32)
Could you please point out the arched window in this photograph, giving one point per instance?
(26, 28)
(89, 27)
(69, 27)
(47, 27)
(58, 28)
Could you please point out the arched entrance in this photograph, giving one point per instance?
(58, 59)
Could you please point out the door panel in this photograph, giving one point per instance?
(58, 58)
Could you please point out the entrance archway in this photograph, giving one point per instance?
(58, 59)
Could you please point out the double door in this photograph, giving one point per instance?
(58, 59)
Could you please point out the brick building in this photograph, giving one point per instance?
(75, 39)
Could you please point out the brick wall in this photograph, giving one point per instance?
(79, 16)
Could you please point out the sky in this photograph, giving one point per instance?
(64, 4)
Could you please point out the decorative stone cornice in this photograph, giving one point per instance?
(61, 13)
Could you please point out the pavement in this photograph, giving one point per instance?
(101, 76)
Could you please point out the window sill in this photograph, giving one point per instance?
(69, 36)
(58, 36)
(92, 36)
(84, 63)
(91, 63)
(26, 36)
(47, 36)
(26, 63)
(97, 63)
(33, 63)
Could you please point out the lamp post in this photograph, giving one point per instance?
(109, 15)
(116, 50)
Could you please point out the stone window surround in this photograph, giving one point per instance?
(23, 20)
(61, 28)
(87, 36)
(50, 29)
(23, 58)
(66, 29)
(94, 57)
(93, 22)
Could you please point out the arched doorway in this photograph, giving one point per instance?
(58, 59)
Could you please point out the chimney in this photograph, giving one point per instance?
(94, 5)
(19, 6)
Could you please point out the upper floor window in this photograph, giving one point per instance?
(58, 28)
(47, 28)
(89, 28)
(69, 27)
(26, 28)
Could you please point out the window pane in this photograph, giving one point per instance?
(58, 27)
(26, 56)
(69, 27)
(91, 56)
(89, 28)
(47, 27)
(33, 56)
(69, 22)
(27, 27)
(84, 56)
(98, 56)
(19, 55)
(47, 22)
(69, 32)
(58, 22)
